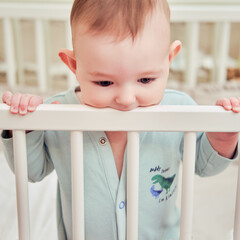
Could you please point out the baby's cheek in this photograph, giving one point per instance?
(96, 101)
(151, 99)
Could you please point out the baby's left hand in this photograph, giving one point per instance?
(230, 104)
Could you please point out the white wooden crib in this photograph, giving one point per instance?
(190, 119)
(220, 12)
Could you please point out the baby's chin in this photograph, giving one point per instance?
(116, 107)
(124, 109)
(120, 107)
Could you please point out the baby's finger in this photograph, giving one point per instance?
(23, 106)
(7, 97)
(16, 98)
(235, 104)
(34, 102)
(225, 103)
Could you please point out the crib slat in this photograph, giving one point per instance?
(70, 76)
(19, 51)
(132, 185)
(187, 185)
(221, 49)
(21, 176)
(9, 52)
(41, 55)
(191, 67)
(237, 209)
(77, 185)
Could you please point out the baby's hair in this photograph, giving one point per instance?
(119, 18)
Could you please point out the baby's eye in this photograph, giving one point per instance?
(104, 83)
(146, 80)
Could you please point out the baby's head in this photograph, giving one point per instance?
(121, 51)
(117, 18)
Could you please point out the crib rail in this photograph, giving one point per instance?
(163, 118)
(187, 119)
(222, 14)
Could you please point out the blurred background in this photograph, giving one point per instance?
(33, 31)
(208, 67)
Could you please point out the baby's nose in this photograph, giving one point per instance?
(125, 98)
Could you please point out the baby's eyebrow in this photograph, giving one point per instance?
(100, 74)
(153, 72)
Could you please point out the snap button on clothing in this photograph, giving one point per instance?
(121, 204)
(102, 140)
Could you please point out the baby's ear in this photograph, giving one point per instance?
(175, 47)
(68, 58)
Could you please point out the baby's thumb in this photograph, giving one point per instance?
(56, 102)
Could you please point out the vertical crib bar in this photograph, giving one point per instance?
(19, 51)
(192, 53)
(21, 176)
(9, 52)
(237, 209)
(77, 185)
(221, 49)
(132, 185)
(40, 51)
(187, 185)
(70, 76)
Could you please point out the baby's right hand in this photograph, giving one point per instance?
(21, 103)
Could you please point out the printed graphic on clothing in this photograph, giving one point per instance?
(162, 188)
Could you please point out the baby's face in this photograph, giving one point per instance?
(123, 75)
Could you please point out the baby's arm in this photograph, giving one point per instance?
(225, 143)
(39, 160)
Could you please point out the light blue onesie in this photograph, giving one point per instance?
(105, 194)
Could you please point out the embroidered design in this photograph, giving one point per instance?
(161, 183)
(154, 192)
(165, 183)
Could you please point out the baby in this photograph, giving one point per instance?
(121, 58)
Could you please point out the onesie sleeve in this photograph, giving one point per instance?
(208, 161)
(39, 158)
(39, 162)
